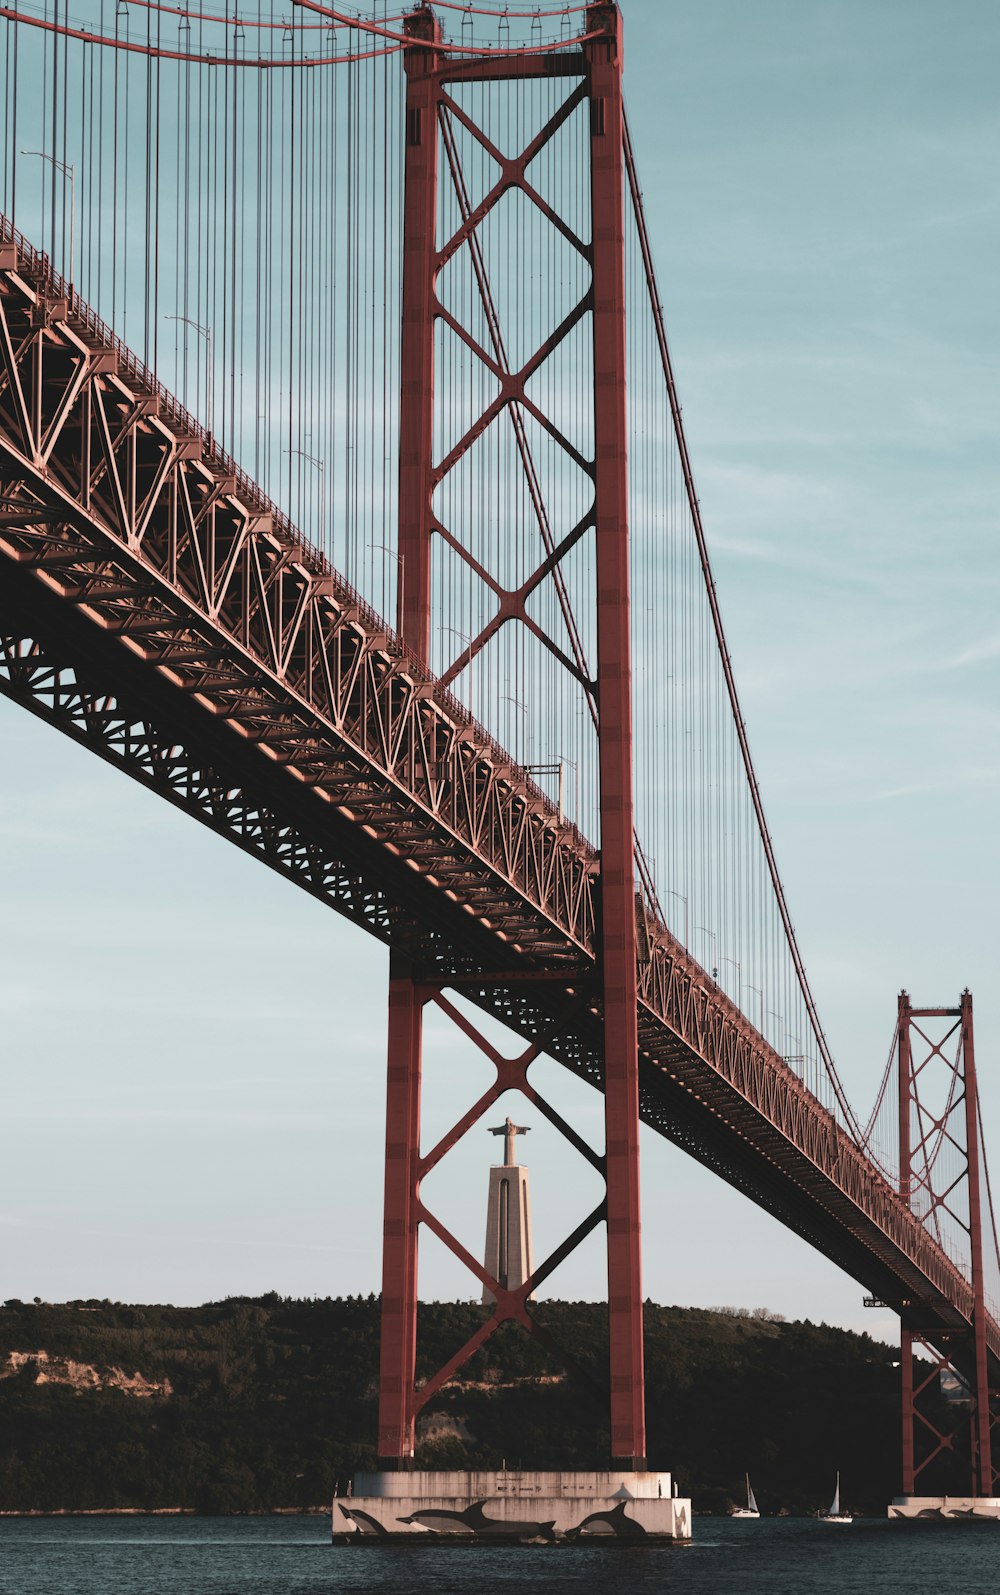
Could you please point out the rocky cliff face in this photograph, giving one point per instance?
(81, 1376)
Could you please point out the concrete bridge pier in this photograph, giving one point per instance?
(512, 1508)
(945, 1508)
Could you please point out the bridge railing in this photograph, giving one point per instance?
(313, 556)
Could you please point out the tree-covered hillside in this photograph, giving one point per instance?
(253, 1405)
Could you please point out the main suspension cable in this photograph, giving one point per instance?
(727, 666)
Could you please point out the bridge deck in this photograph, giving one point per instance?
(158, 608)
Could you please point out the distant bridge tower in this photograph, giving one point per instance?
(508, 1216)
(941, 1178)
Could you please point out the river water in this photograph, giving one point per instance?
(292, 1556)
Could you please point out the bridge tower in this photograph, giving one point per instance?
(941, 1179)
(431, 103)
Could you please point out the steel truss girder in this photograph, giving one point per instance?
(116, 714)
(145, 534)
(346, 717)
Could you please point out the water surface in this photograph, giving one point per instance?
(293, 1556)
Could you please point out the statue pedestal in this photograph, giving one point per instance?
(512, 1508)
(508, 1228)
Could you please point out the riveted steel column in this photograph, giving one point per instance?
(416, 415)
(399, 1227)
(905, 1094)
(618, 935)
(416, 433)
(983, 1461)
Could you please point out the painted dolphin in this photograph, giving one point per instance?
(473, 1520)
(613, 1522)
(363, 1521)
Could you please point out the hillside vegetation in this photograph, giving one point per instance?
(254, 1405)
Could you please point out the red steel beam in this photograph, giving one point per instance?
(400, 1223)
(614, 672)
(416, 415)
(401, 1220)
(906, 1405)
(905, 1336)
(983, 1458)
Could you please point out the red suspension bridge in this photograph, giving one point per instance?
(398, 271)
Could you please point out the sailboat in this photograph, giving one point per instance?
(835, 1515)
(751, 1509)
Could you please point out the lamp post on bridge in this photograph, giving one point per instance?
(68, 170)
(466, 642)
(508, 697)
(206, 333)
(774, 1014)
(393, 554)
(751, 987)
(320, 466)
(735, 964)
(681, 899)
(554, 767)
(715, 956)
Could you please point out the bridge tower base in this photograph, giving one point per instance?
(511, 1508)
(945, 1508)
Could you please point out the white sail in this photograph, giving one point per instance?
(835, 1515)
(751, 1509)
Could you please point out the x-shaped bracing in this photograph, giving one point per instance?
(513, 397)
(509, 1305)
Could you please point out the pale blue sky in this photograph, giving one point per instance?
(195, 1051)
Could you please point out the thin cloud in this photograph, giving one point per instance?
(977, 653)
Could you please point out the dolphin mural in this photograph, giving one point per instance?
(473, 1520)
(363, 1521)
(614, 1522)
